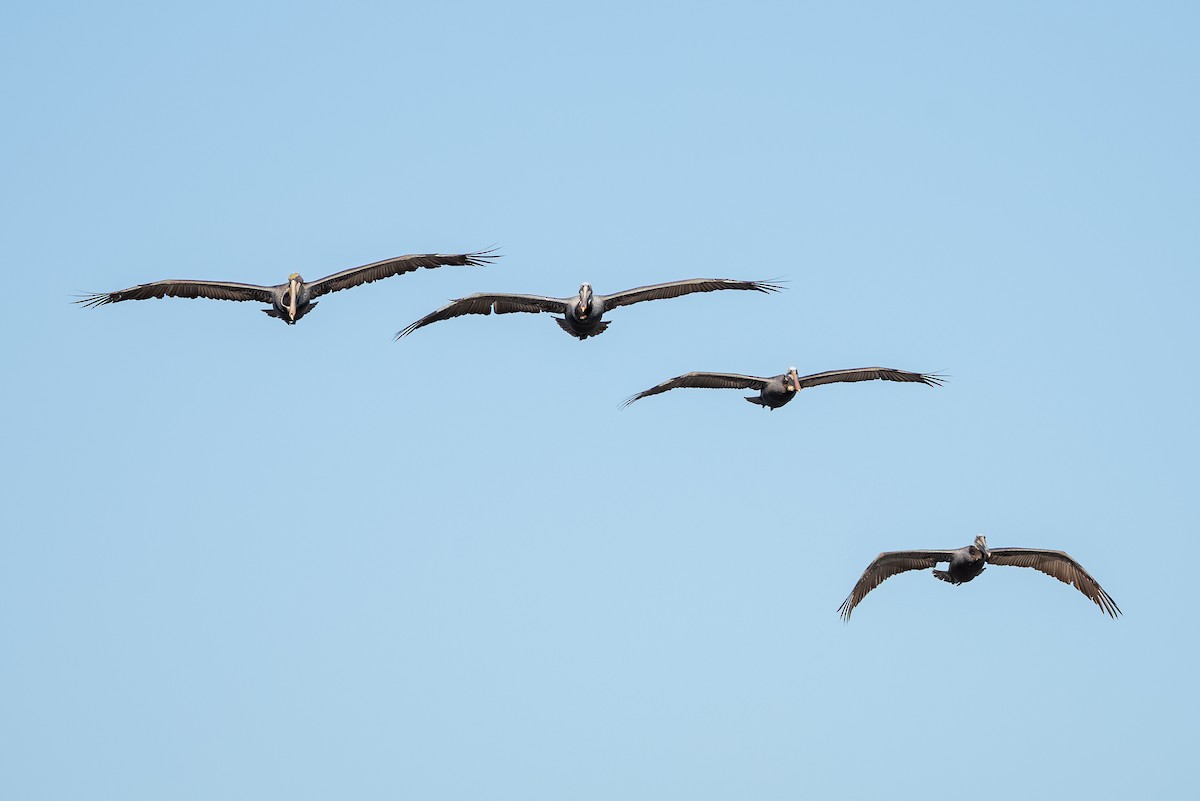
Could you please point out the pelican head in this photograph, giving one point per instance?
(981, 544)
(584, 307)
(294, 282)
(794, 384)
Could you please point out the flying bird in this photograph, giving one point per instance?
(291, 300)
(777, 390)
(582, 313)
(967, 563)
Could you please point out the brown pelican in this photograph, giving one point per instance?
(581, 313)
(778, 390)
(294, 299)
(967, 563)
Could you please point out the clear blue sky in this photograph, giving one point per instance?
(242, 560)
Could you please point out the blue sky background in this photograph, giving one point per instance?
(246, 560)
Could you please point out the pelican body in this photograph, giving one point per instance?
(582, 319)
(965, 564)
(291, 300)
(779, 390)
(582, 314)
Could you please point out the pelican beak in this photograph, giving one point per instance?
(293, 291)
(585, 298)
(795, 387)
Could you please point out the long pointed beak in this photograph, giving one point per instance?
(795, 381)
(295, 290)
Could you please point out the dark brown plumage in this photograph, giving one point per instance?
(967, 563)
(582, 313)
(291, 300)
(777, 390)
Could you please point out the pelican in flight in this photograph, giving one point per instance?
(582, 313)
(778, 390)
(967, 563)
(292, 300)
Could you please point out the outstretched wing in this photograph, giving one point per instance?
(397, 266)
(174, 288)
(869, 374)
(675, 289)
(486, 303)
(884, 567)
(1059, 565)
(702, 380)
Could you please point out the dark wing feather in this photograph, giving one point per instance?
(702, 380)
(486, 303)
(868, 374)
(1059, 565)
(884, 567)
(174, 288)
(675, 289)
(397, 266)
